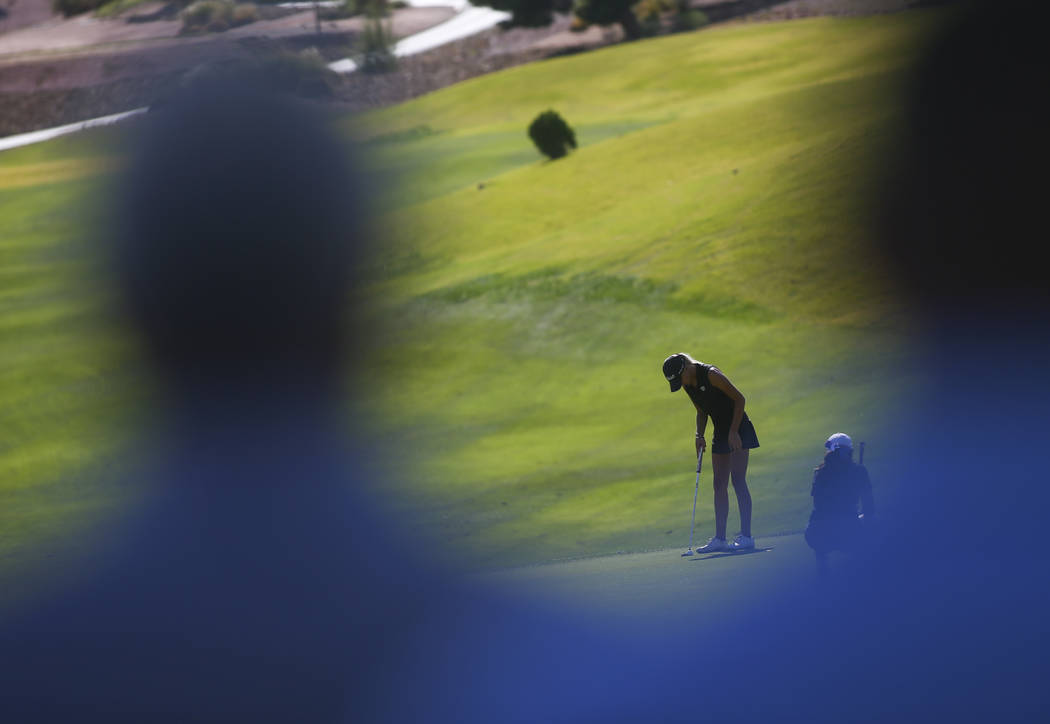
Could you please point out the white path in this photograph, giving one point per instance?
(24, 139)
(469, 20)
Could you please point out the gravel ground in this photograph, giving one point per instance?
(48, 77)
(809, 8)
(62, 81)
(497, 49)
(486, 52)
(15, 14)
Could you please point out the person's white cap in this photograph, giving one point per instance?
(839, 439)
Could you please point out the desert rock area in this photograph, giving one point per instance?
(56, 70)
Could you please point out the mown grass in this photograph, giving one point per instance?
(520, 319)
(517, 310)
(67, 379)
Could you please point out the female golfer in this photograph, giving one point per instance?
(714, 396)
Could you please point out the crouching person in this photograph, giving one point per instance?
(839, 485)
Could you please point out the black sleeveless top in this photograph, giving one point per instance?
(717, 404)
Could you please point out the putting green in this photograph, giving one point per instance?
(660, 586)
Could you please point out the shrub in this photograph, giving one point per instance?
(689, 20)
(551, 134)
(651, 26)
(376, 47)
(75, 7)
(113, 8)
(652, 9)
(215, 16)
(346, 9)
(527, 13)
(375, 8)
(207, 16)
(244, 13)
(611, 12)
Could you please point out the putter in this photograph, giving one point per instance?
(696, 490)
(861, 459)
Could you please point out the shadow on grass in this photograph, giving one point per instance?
(732, 554)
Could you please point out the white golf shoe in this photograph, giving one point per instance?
(742, 543)
(714, 545)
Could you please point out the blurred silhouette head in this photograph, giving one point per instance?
(964, 194)
(236, 235)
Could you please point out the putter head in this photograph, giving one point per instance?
(688, 553)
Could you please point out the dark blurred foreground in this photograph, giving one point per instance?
(263, 585)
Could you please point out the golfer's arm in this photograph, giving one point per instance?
(701, 422)
(722, 382)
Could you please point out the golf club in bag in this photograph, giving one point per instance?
(696, 490)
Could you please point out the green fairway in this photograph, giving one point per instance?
(67, 390)
(518, 309)
(719, 205)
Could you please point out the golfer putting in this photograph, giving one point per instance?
(715, 397)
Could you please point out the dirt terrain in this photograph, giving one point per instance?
(15, 14)
(56, 70)
(64, 70)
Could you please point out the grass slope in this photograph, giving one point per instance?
(66, 390)
(716, 206)
(719, 205)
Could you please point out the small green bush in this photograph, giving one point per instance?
(551, 134)
(347, 9)
(207, 16)
(113, 8)
(611, 12)
(528, 13)
(75, 7)
(244, 13)
(376, 46)
(652, 9)
(215, 16)
(689, 20)
(578, 24)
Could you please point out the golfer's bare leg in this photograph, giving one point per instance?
(720, 464)
(738, 465)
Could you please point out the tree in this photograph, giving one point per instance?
(608, 12)
(552, 135)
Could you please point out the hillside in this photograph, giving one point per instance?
(719, 205)
(518, 309)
